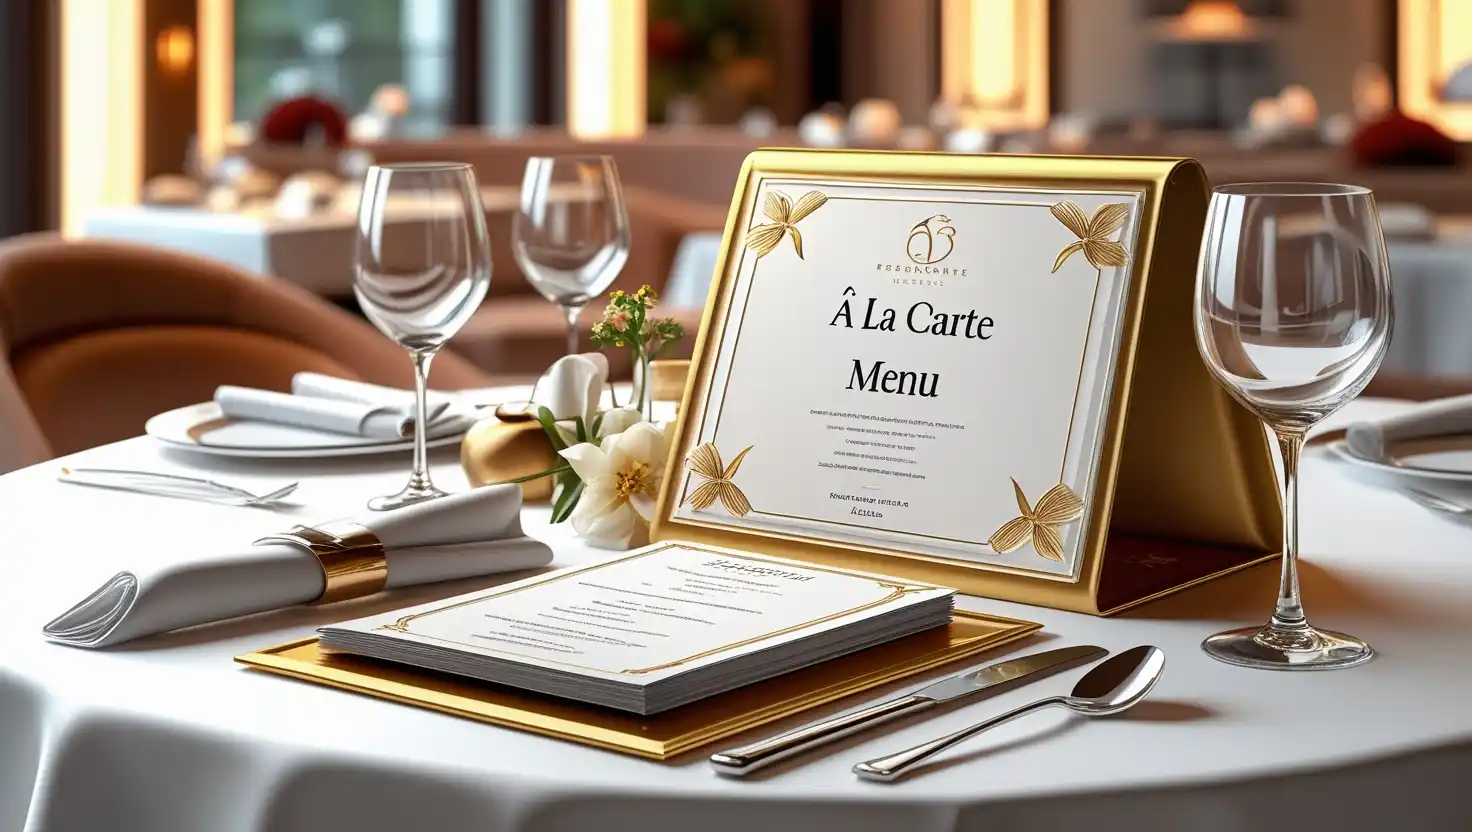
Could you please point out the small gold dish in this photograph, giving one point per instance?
(496, 450)
(661, 736)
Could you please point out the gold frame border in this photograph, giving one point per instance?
(1152, 176)
(1067, 437)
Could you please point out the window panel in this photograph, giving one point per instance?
(344, 50)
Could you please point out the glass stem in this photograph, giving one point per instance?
(419, 477)
(571, 313)
(1289, 613)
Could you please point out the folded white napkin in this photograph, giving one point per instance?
(1443, 417)
(337, 405)
(460, 536)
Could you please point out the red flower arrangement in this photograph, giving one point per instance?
(294, 120)
(1397, 140)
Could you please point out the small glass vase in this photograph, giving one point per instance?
(643, 398)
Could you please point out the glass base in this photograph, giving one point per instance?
(1287, 648)
(408, 497)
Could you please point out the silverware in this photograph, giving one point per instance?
(171, 485)
(1426, 499)
(1117, 684)
(739, 762)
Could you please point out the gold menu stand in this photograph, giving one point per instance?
(1186, 487)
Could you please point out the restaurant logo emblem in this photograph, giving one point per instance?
(922, 245)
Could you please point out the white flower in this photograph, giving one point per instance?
(573, 386)
(618, 420)
(621, 480)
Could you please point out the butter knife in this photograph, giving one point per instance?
(1003, 675)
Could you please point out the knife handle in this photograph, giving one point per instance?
(739, 762)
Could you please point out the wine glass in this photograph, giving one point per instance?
(422, 267)
(1293, 316)
(571, 234)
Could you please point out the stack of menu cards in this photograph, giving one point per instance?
(656, 629)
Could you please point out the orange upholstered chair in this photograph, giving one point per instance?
(97, 336)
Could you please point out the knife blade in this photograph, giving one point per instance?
(1003, 675)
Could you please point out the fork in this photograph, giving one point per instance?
(1426, 499)
(172, 485)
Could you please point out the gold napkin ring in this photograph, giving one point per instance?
(352, 558)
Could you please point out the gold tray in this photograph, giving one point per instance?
(660, 736)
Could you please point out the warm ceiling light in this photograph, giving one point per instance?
(1211, 20)
(174, 49)
(994, 61)
(1435, 40)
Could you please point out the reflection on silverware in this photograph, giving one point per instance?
(994, 677)
(1426, 499)
(171, 485)
(1114, 686)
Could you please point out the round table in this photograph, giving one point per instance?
(168, 734)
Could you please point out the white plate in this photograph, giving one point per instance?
(1448, 459)
(177, 429)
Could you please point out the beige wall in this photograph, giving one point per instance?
(1105, 53)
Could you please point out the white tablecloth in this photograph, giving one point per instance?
(314, 252)
(169, 735)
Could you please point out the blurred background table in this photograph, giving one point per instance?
(516, 333)
(1432, 279)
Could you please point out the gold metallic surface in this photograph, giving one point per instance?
(1186, 489)
(705, 461)
(495, 451)
(660, 736)
(1093, 233)
(763, 239)
(1039, 524)
(353, 561)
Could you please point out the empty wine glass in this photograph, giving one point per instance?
(1293, 316)
(422, 267)
(571, 234)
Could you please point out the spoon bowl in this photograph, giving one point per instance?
(1117, 684)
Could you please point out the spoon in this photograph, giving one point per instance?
(1115, 685)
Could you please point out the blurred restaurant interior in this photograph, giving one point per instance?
(239, 132)
(260, 259)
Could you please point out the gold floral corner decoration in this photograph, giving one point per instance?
(1039, 524)
(784, 217)
(1093, 234)
(705, 461)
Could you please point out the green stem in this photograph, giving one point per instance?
(529, 477)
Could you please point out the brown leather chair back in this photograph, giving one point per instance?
(96, 336)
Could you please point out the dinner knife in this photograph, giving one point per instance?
(1003, 675)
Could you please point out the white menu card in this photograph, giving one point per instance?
(921, 367)
(652, 630)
